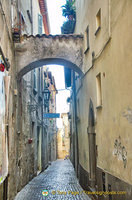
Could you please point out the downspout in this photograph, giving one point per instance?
(31, 2)
(109, 19)
(76, 129)
(73, 122)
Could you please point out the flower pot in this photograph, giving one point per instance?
(2, 67)
(30, 140)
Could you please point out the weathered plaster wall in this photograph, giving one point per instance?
(39, 51)
(21, 154)
(26, 150)
(112, 46)
(36, 11)
(7, 46)
(31, 156)
(30, 25)
(63, 138)
(86, 13)
(23, 6)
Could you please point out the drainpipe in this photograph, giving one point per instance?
(109, 18)
(73, 123)
(76, 130)
(31, 2)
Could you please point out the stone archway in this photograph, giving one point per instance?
(40, 50)
(36, 51)
(92, 145)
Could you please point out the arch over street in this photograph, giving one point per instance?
(36, 51)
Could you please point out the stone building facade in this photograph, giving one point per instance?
(30, 142)
(8, 86)
(63, 138)
(23, 127)
(101, 99)
(50, 123)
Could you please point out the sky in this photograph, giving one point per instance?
(56, 20)
(55, 15)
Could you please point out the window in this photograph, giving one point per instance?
(98, 21)
(103, 180)
(99, 91)
(22, 24)
(39, 24)
(34, 79)
(39, 80)
(78, 107)
(86, 39)
(29, 16)
(33, 128)
(109, 190)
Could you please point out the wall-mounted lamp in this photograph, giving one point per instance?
(46, 94)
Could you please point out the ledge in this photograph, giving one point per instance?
(86, 50)
(99, 107)
(98, 29)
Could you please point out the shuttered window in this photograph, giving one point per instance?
(35, 79)
(39, 24)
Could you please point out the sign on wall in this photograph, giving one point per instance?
(51, 115)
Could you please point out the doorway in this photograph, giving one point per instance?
(39, 149)
(92, 145)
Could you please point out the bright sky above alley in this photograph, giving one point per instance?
(56, 20)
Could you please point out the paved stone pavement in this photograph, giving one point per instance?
(59, 180)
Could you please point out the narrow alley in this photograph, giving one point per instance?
(59, 181)
(65, 99)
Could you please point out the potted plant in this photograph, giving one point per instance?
(16, 31)
(68, 27)
(69, 10)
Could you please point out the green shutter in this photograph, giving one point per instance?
(39, 24)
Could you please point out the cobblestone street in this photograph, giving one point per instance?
(59, 181)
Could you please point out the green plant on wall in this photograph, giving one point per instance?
(68, 27)
(69, 10)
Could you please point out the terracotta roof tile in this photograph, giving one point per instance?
(54, 36)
